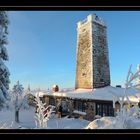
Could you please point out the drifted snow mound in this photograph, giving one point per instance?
(100, 123)
(114, 123)
(125, 119)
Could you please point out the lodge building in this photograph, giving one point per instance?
(75, 106)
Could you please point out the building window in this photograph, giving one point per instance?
(111, 111)
(105, 112)
(51, 101)
(79, 105)
(99, 109)
(104, 109)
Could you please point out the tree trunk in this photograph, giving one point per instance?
(17, 116)
(17, 110)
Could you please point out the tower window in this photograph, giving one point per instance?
(83, 74)
(83, 30)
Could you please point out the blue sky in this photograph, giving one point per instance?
(42, 46)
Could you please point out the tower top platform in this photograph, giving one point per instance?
(92, 18)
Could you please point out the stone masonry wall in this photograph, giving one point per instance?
(101, 71)
(84, 64)
(90, 110)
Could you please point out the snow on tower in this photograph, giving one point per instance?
(92, 68)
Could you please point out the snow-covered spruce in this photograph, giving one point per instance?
(4, 72)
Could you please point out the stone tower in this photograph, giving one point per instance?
(92, 67)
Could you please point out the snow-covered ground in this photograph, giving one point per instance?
(124, 120)
(27, 121)
(26, 118)
(67, 123)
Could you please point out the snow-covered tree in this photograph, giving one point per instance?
(9, 104)
(4, 72)
(25, 102)
(131, 82)
(18, 91)
(123, 115)
(43, 114)
(27, 91)
(25, 97)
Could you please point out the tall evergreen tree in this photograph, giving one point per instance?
(4, 72)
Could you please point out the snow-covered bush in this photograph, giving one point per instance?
(43, 114)
(50, 112)
(127, 113)
(124, 113)
(135, 111)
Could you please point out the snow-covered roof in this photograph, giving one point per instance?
(108, 93)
